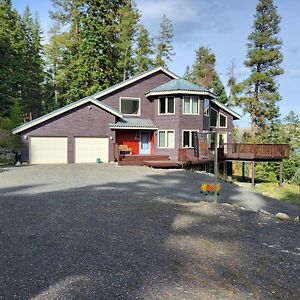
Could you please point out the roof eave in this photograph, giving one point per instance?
(64, 109)
(111, 126)
(186, 92)
(230, 111)
(134, 79)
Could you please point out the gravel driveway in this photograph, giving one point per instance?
(109, 232)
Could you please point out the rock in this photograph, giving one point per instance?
(297, 219)
(282, 216)
(263, 211)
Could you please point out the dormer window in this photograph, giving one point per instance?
(166, 106)
(130, 106)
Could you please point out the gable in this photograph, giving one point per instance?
(114, 109)
(61, 112)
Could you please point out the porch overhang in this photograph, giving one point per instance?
(134, 123)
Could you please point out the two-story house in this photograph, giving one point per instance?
(151, 114)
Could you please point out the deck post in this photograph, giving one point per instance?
(216, 169)
(280, 175)
(252, 175)
(243, 170)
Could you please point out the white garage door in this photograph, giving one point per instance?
(48, 150)
(87, 149)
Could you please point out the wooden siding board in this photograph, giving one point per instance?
(138, 90)
(86, 120)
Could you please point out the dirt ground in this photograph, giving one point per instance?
(86, 236)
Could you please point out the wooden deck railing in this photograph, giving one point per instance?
(259, 152)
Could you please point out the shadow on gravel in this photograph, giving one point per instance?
(137, 241)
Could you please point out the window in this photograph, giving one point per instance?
(187, 138)
(222, 120)
(190, 105)
(166, 139)
(130, 106)
(213, 117)
(166, 106)
(206, 107)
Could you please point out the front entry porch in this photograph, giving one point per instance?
(135, 142)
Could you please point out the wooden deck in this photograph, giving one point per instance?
(256, 152)
(154, 161)
(238, 152)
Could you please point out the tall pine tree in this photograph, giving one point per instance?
(260, 89)
(32, 91)
(12, 45)
(203, 72)
(144, 50)
(126, 32)
(164, 41)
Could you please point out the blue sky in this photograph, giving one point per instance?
(223, 26)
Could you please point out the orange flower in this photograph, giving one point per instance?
(210, 188)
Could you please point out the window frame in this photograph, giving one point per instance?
(158, 139)
(211, 108)
(166, 106)
(220, 120)
(206, 110)
(190, 137)
(191, 105)
(130, 98)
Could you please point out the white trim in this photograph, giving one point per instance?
(65, 109)
(134, 79)
(220, 120)
(165, 130)
(132, 127)
(166, 105)
(130, 98)
(191, 106)
(216, 119)
(231, 112)
(199, 93)
(190, 136)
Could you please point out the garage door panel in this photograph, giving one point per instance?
(48, 150)
(87, 149)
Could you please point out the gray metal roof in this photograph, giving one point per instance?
(179, 84)
(133, 123)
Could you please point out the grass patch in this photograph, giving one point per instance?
(5, 163)
(288, 193)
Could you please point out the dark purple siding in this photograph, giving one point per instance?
(87, 120)
(138, 90)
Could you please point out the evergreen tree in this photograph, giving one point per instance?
(12, 47)
(203, 73)
(164, 47)
(260, 90)
(232, 84)
(292, 118)
(94, 50)
(32, 91)
(59, 56)
(126, 31)
(219, 89)
(143, 51)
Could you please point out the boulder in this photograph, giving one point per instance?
(282, 216)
